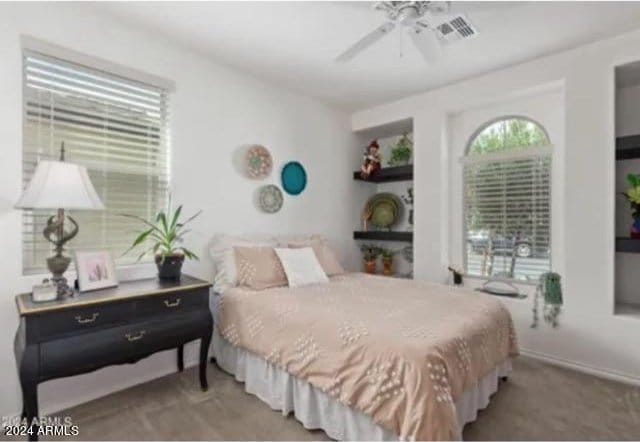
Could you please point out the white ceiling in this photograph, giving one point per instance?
(294, 43)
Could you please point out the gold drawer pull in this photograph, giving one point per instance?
(131, 337)
(82, 320)
(172, 304)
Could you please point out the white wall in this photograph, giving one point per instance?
(215, 110)
(590, 337)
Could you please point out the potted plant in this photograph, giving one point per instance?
(387, 261)
(401, 153)
(165, 235)
(633, 196)
(370, 253)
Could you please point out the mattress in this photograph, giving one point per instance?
(403, 353)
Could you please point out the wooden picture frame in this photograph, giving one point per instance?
(95, 269)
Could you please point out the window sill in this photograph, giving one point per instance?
(507, 280)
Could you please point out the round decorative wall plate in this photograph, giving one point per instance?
(385, 210)
(259, 162)
(294, 178)
(270, 198)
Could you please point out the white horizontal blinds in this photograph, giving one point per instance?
(507, 205)
(114, 126)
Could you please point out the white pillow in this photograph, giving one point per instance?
(224, 260)
(301, 266)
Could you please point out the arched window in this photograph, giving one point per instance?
(507, 200)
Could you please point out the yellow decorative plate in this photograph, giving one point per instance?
(385, 209)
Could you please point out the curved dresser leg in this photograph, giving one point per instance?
(204, 354)
(181, 358)
(30, 405)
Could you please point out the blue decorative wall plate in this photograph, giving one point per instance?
(294, 178)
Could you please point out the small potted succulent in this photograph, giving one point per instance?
(164, 237)
(387, 261)
(370, 254)
(633, 196)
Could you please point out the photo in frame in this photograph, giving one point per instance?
(96, 270)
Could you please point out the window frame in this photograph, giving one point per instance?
(517, 153)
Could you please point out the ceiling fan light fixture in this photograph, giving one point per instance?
(408, 15)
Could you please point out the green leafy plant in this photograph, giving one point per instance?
(633, 192)
(387, 253)
(165, 234)
(370, 252)
(401, 153)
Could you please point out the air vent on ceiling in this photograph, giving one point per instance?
(456, 28)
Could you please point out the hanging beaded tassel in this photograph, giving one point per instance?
(549, 287)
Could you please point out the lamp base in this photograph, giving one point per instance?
(57, 265)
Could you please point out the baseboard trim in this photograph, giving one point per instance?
(588, 369)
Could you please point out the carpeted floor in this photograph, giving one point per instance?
(539, 402)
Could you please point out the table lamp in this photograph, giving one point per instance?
(59, 185)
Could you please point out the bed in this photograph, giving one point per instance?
(368, 357)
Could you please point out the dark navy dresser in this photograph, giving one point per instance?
(113, 326)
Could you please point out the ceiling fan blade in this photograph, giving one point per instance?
(427, 43)
(366, 41)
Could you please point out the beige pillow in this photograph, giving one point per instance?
(325, 255)
(223, 256)
(259, 268)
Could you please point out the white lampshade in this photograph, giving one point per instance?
(60, 185)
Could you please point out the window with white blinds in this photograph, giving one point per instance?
(117, 128)
(507, 201)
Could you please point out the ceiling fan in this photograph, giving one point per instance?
(430, 24)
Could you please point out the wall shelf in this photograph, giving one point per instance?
(627, 245)
(628, 148)
(380, 235)
(388, 174)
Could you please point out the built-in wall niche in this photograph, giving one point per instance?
(392, 178)
(627, 154)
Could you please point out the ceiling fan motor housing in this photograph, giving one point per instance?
(408, 13)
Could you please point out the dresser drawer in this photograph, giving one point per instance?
(153, 336)
(119, 345)
(78, 320)
(172, 303)
(82, 353)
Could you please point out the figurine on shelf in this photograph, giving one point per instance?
(372, 160)
(408, 200)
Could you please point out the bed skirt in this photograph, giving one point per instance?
(317, 410)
